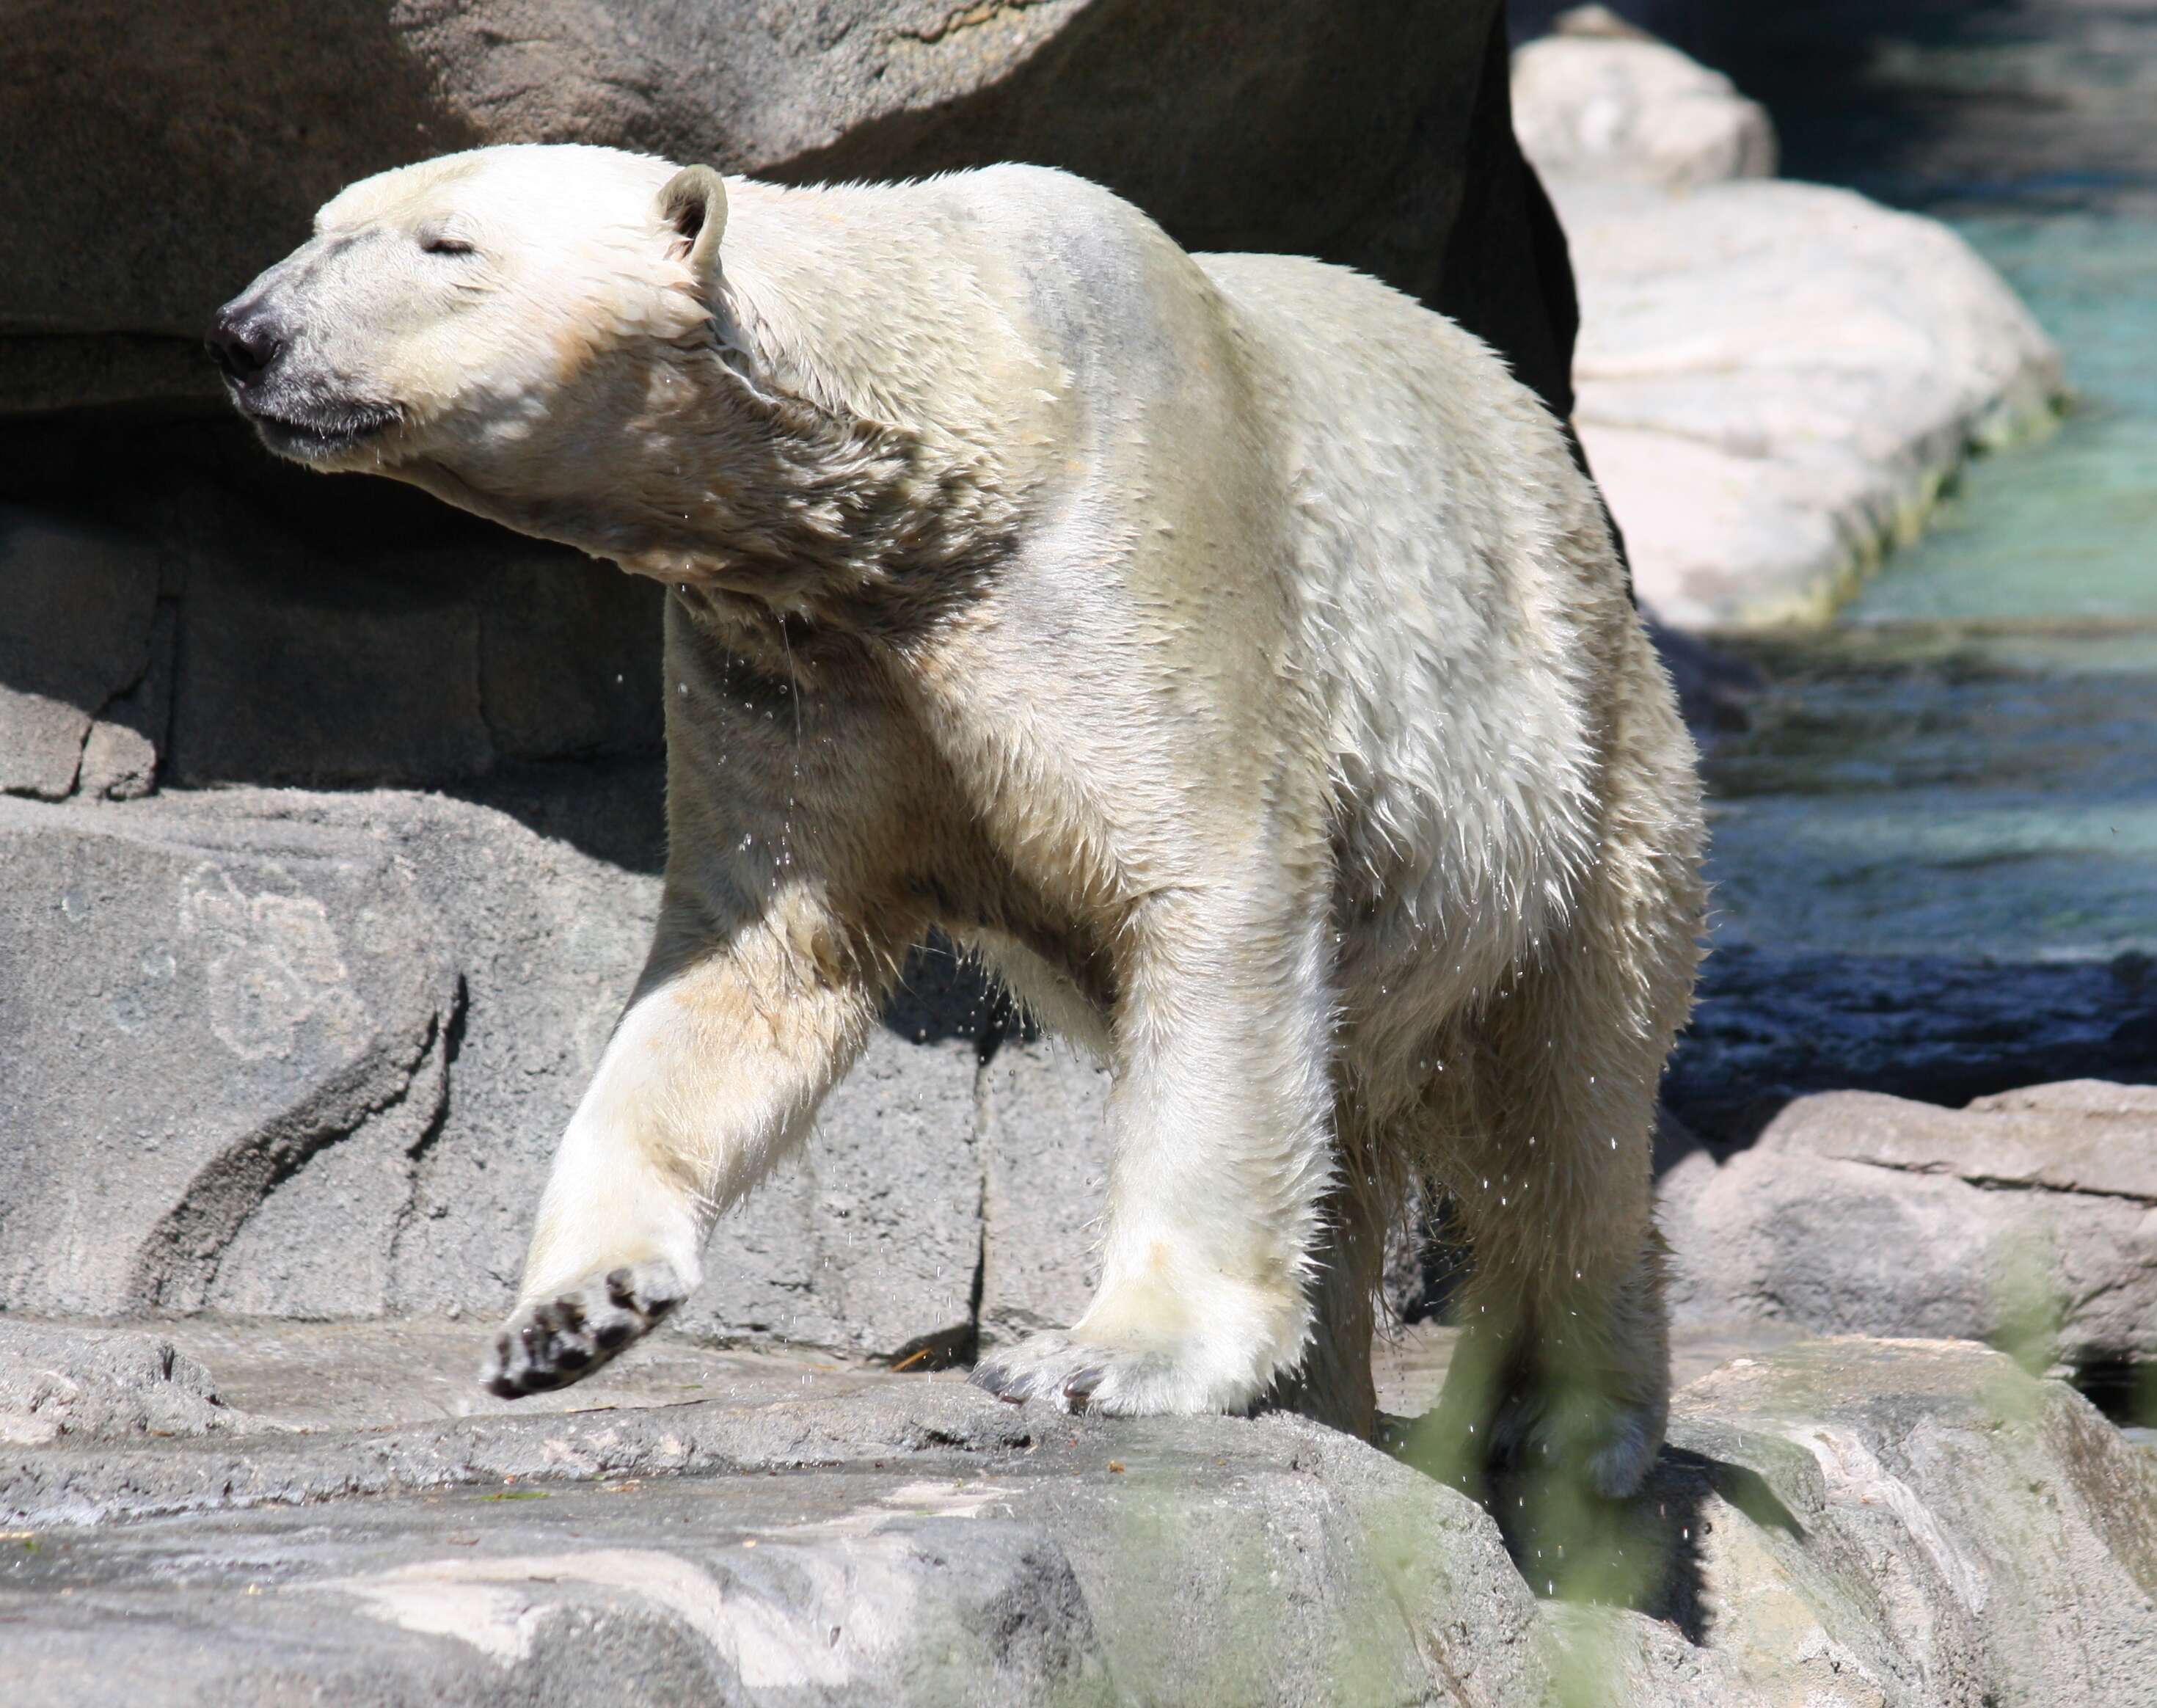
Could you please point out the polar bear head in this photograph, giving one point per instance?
(481, 323)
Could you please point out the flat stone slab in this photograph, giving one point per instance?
(1840, 1523)
(808, 1536)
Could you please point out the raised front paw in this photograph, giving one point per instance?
(562, 1336)
(1075, 1374)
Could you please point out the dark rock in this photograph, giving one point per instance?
(186, 152)
(78, 605)
(1940, 1028)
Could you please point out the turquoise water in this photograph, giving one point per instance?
(1966, 762)
(2067, 528)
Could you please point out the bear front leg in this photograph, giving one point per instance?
(1220, 1157)
(713, 1076)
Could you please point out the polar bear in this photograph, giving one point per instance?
(1225, 647)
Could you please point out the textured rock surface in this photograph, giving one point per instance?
(1909, 1525)
(164, 158)
(76, 1381)
(1773, 380)
(921, 1542)
(1045, 1162)
(1914, 1523)
(370, 1016)
(201, 1012)
(1597, 99)
(2030, 1218)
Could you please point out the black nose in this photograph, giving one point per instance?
(243, 345)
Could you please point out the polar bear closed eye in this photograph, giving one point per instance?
(1225, 645)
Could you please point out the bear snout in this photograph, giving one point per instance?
(244, 343)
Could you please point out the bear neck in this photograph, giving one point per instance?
(797, 520)
(811, 481)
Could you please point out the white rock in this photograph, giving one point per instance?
(1776, 379)
(1599, 100)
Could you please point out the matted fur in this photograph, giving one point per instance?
(1225, 645)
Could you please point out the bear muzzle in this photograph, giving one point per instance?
(244, 344)
(302, 415)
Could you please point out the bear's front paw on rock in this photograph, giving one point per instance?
(567, 1333)
(1075, 1374)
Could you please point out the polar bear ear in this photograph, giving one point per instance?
(693, 206)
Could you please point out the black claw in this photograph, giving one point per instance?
(621, 1288)
(613, 1334)
(572, 1356)
(1078, 1390)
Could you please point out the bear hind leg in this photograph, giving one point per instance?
(1563, 1361)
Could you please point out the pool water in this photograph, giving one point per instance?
(1965, 762)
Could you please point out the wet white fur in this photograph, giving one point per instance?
(1305, 685)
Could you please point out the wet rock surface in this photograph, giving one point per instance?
(1847, 1521)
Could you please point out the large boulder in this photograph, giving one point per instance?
(1909, 1523)
(201, 1012)
(161, 157)
(287, 1054)
(1774, 380)
(1597, 98)
(2028, 1218)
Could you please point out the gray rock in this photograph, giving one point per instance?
(1368, 133)
(1914, 1523)
(932, 1546)
(1906, 1525)
(870, 1240)
(199, 1007)
(1045, 1155)
(298, 1055)
(85, 1382)
(2029, 1218)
